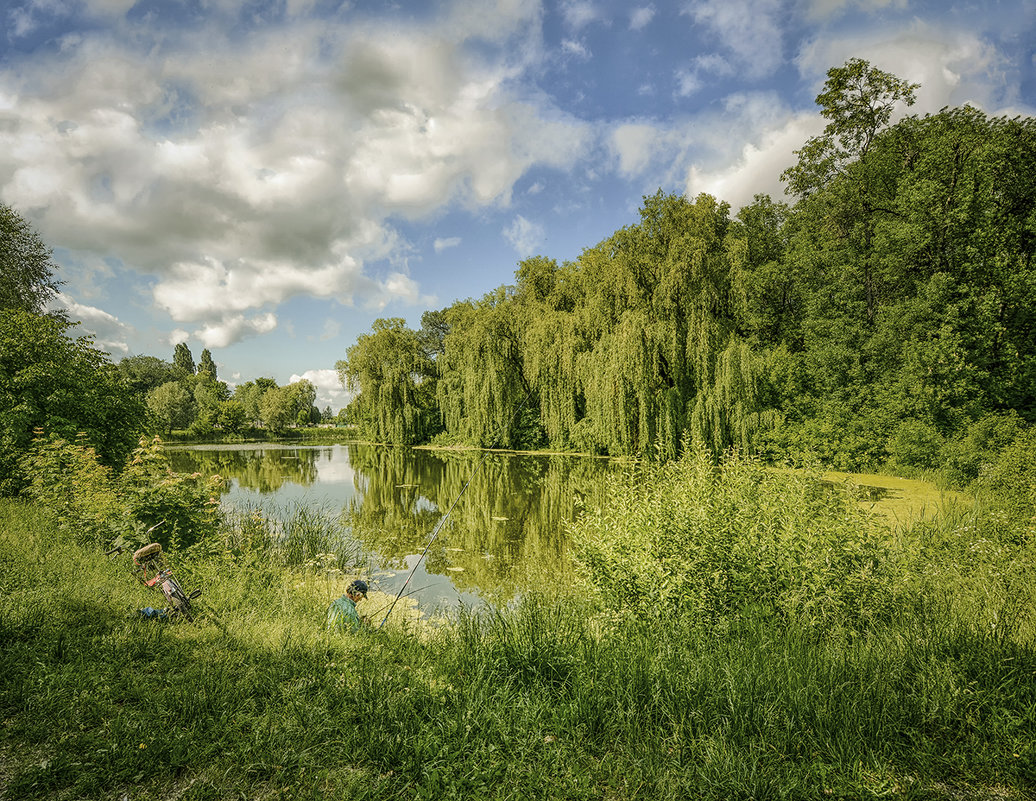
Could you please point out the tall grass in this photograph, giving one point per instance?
(547, 698)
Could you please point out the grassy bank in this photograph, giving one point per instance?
(548, 699)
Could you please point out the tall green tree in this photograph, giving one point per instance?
(206, 365)
(482, 384)
(171, 406)
(858, 101)
(393, 378)
(183, 359)
(58, 385)
(145, 373)
(27, 280)
(277, 408)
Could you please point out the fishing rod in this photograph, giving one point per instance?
(404, 595)
(442, 520)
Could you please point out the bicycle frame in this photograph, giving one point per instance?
(152, 570)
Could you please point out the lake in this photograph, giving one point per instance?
(506, 530)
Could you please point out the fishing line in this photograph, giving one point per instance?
(442, 520)
(404, 595)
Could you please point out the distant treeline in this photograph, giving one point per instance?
(886, 316)
(179, 395)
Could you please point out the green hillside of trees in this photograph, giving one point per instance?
(884, 315)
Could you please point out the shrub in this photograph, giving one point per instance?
(705, 542)
(147, 501)
(1010, 481)
(963, 459)
(67, 479)
(915, 445)
(182, 508)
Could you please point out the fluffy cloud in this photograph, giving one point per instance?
(825, 9)
(756, 169)
(108, 332)
(750, 30)
(240, 172)
(525, 236)
(329, 389)
(579, 13)
(641, 17)
(953, 66)
(445, 243)
(689, 80)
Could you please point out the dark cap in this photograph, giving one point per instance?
(359, 586)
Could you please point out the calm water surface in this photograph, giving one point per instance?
(506, 531)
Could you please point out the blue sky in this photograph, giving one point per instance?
(265, 179)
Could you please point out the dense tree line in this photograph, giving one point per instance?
(886, 314)
(182, 395)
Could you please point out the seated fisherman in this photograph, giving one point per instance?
(342, 615)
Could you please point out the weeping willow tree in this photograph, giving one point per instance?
(552, 342)
(625, 351)
(393, 377)
(483, 389)
(731, 411)
(657, 310)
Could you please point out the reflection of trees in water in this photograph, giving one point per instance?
(505, 532)
(264, 470)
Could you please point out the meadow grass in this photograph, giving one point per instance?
(547, 698)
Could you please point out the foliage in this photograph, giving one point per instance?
(183, 360)
(146, 501)
(27, 279)
(693, 540)
(394, 381)
(61, 386)
(178, 508)
(171, 405)
(67, 479)
(206, 364)
(1010, 481)
(145, 373)
(858, 99)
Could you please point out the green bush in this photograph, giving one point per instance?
(703, 542)
(964, 457)
(1010, 481)
(915, 445)
(67, 479)
(146, 502)
(179, 509)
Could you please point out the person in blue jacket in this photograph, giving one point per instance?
(342, 614)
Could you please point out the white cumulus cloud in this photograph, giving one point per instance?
(525, 236)
(750, 30)
(329, 389)
(233, 173)
(109, 333)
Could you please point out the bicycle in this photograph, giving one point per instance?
(152, 570)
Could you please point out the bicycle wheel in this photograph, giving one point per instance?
(181, 603)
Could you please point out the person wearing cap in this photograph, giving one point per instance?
(342, 615)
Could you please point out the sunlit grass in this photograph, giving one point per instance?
(544, 699)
